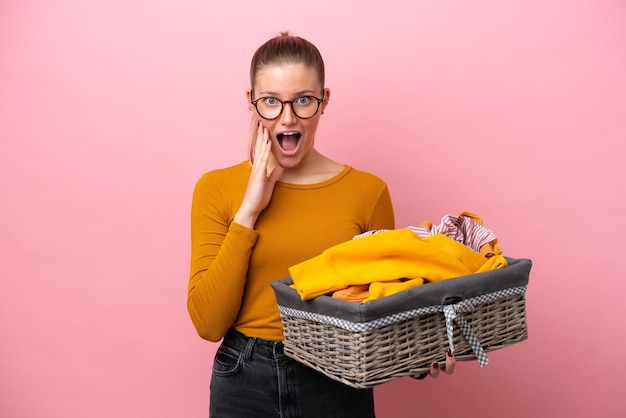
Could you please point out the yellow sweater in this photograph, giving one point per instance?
(232, 267)
(383, 258)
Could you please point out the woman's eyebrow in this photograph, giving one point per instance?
(276, 94)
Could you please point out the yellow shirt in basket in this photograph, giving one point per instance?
(386, 257)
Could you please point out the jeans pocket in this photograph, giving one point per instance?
(227, 361)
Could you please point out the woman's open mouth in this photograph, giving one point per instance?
(288, 142)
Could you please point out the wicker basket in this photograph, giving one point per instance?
(363, 345)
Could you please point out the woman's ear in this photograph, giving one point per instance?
(249, 99)
(326, 99)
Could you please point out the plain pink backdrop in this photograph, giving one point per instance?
(110, 111)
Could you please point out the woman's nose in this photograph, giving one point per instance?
(288, 116)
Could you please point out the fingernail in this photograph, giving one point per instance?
(435, 366)
(449, 353)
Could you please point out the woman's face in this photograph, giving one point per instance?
(292, 137)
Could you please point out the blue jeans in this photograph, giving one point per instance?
(252, 377)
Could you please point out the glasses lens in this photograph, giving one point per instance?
(269, 107)
(305, 107)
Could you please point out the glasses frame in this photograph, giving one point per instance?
(282, 106)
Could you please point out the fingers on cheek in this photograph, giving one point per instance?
(258, 140)
(261, 132)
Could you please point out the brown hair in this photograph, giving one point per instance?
(287, 49)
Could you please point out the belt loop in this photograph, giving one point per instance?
(247, 353)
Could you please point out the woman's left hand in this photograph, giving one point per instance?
(436, 368)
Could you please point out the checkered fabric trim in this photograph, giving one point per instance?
(453, 313)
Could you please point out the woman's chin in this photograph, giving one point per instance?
(289, 162)
(288, 158)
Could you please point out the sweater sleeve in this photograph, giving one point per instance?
(220, 255)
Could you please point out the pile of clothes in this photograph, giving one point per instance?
(382, 262)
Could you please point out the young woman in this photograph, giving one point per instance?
(250, 222)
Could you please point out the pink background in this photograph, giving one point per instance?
(110, 111)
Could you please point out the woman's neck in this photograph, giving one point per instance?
(316, 168)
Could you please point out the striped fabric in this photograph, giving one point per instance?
(461, 228)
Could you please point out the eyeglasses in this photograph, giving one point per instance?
(304, 107)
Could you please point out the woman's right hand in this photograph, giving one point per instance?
(261, 183)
